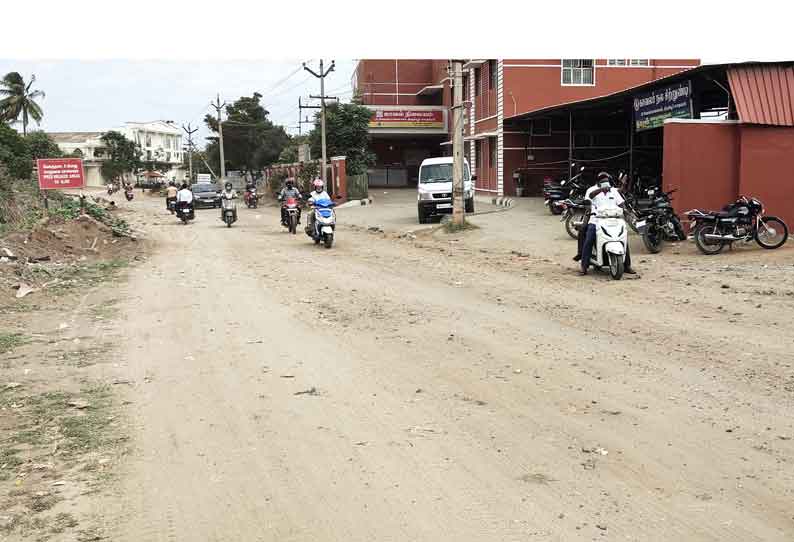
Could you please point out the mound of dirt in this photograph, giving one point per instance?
(57, 243)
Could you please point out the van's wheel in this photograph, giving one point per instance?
(470, 205)
(423, 217)
(616, 266)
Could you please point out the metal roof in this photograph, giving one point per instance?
(763, 94)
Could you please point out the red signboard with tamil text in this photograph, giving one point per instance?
(60, 173)
(406, 118)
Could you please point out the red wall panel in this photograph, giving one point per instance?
(766, 154)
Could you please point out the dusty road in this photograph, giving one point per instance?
(431, 389)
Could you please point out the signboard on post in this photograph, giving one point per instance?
(55, 173)
(406, 118)
(203, 178)
(652, 108)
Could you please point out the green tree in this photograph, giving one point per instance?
(289, 155)
(19, 99)
(14, 153)
(250, 140)
(40, 145)
(122, 156)
(347, 134)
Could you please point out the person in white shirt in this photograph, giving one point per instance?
(583, 229)
(604, 198)
(317, 194)
(184, 198)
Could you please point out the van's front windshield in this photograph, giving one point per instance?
(440, 173)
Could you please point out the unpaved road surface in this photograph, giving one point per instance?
(431, 389)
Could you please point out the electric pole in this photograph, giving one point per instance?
(458, 216)
(321, 77)
(190, 133)
(219, 108)
(301, 107)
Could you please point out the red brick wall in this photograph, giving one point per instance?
(702, 162)
(539, 87)
(381, 80)
(764, 172)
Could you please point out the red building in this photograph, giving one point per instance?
(417, 94)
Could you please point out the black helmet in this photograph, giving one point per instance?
(184, 185)
(290, 183)
(604, 176)
(228, 185)
(171, 183)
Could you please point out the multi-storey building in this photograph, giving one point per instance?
(411, 100)
(159, 141)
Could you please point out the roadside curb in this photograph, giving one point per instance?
(355, 203)
(502, 204)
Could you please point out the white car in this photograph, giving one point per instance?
(434, 190)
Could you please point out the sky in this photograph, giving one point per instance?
(97, 95)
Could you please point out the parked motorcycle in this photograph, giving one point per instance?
(555, 193)
(128, 193)
(185, 212)
(574, 213)
(293, 213)
(659, 223)
(251, 198)
(322, 228)
(170, 203)
(742, 220)
(112, 188)
(609, 249)
(228, 209)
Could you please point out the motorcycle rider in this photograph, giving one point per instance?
(289, 191)
(250, 186)
(605, 197)
(229, 193)
(170, 195)
(603, 176)
(317, 194)
(184, 198)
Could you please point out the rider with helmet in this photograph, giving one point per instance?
(317, 194)
(289, 191)
(228, 193)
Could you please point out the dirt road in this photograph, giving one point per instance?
(396, 389)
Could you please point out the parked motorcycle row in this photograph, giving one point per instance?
(649, 212)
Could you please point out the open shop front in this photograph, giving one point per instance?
(711, 133)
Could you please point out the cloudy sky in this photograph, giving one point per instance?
(85, 95)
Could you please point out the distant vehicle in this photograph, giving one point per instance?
(435, 188)
(206, 195)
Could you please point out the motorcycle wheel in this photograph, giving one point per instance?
(704, 245)
(679, 229)
(631, 220)
(293, 224)
(779, 235)
(652, 239)
(328, 240)
(615, 266)
(569, 227)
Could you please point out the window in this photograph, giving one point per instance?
(639, 62)
(477, 81)
(465, 88)
(478, 153)
(148, 140)
(492, 69)
(578, 72)
(492, 149)
(616, 62)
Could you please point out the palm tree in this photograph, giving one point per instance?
(19, 99)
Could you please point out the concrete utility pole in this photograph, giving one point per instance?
(219, 108)
(301, 107)
(190, 133)
(458, 216)
(321, 76)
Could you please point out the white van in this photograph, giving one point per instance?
(434, 189)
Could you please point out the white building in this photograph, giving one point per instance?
(158, 141)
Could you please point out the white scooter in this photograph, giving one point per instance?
(611, 243)
(324, 223)
(228, 209)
